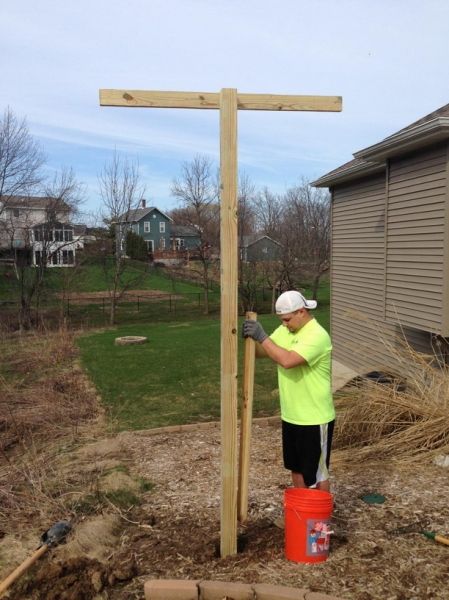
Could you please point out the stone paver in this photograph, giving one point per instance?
(186, 589)
(171, 589)
(217, 590)
(267, 591)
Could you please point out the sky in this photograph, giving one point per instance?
(388, 59)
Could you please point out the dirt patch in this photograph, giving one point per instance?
(129, 296)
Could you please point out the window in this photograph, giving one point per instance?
(162, 227)
(67, 257)
(16, 212)
(162, 243)
(146, 227)
(43, 234)
(150, 245)
(63, 235)
(37, 257)
(54, 258)
(265, 250)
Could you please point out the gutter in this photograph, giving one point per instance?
(373, 158)
(361, 169)
(414, 137)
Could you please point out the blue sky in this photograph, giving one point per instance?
(387, 59)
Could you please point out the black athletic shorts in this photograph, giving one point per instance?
(307, 450)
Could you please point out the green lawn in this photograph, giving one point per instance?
(91, 278)
(175, 377)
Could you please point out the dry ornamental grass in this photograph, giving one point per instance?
(403, 419)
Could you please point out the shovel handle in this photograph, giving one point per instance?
(4, 585)
(442, 540)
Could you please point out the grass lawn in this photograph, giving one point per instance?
(175, 377)
(91, 278)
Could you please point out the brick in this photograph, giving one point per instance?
(218, 590)
(266, 591)
(201, 426)
(171, 589)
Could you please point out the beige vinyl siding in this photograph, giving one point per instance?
(361, 338)
(416, 240)
(357, 273)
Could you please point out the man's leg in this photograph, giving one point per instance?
(324, 485)
(298, 480)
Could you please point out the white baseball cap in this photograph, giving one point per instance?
(290, 301)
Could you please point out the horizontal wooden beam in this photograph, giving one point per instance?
(283, 102)
(150, 99)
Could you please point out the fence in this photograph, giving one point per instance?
(84, 310)
(94, 310)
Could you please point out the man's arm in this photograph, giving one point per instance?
(266, 347)
(285, 358)
(260, 351)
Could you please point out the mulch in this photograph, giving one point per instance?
(377, 550)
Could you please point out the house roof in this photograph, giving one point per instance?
(184, 231)
(430, 129)
(139, 213)
(53, 225)
(249, 240)
(36, 202)
(79, 229)
(439, 112)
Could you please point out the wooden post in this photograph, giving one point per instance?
(229, 268)
(228, 101)
(245, 423)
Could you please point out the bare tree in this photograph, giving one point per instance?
(21, 159)
(268, 209)
(247, 196)
(248, 276)
(48, 238)
(197, 190)
(121, 191)
(307, 227)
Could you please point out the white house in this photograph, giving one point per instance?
(37, 228)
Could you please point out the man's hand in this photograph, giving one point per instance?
(254, 329)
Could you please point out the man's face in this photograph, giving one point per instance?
(294, 320)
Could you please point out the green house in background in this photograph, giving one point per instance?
(259, 248)
(184, 237)
(151, 224)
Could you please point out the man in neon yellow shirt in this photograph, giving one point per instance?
(301, 347)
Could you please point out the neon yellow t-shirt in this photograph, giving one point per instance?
(305, 390)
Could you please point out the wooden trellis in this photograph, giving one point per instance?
(228, 102)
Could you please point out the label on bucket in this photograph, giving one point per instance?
(318, 537)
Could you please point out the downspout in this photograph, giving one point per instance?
(387, 192)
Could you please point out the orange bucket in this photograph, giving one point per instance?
(307, 524)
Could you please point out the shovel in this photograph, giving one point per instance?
(51, 537)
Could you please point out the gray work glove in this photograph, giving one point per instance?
(254, 329)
